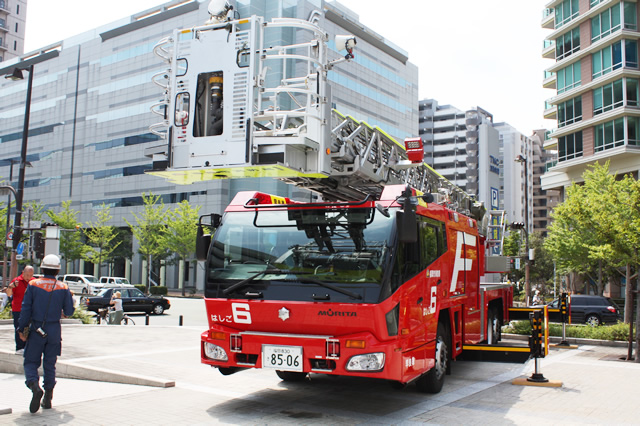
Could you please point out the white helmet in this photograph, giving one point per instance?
(50, 261)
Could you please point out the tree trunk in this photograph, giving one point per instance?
(628, 296)
(600, 289)
(181, 275)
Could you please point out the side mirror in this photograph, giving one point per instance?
(203, 241)
(407, 228)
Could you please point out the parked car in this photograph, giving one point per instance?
(592, 310)
(83, 284)
(115, 282)
(133, 300)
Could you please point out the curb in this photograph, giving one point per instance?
(11, 363)
(62, 321)
(574, 340)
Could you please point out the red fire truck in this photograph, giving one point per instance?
(381, 277)
(387, 289)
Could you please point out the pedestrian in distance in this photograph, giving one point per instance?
(45, 302)
(16, 289)
(117, 312)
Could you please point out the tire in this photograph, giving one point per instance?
(84, 291)
(433, 380)
(493, 327)
(127, 321)
(158, 309)
(291, 376)
(593, 320)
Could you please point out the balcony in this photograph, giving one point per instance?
(548, 18)
(549, 49)
(549, 81)
(550, 111)
(4, 6)
(3, 47)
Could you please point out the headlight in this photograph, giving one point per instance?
(366, 362)
(215, 352)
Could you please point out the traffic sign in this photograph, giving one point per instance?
(20, 248)
(19, 257)
(10, 235)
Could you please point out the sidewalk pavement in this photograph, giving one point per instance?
(153, 374)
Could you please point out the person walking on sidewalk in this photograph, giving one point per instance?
(16, 289)
(45, 301)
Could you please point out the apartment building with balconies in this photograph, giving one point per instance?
(13, 14)
(596, 79)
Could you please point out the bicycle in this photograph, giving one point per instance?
(103, 315)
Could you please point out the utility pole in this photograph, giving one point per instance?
(527, 284)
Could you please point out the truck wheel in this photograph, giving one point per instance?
(493, 328)
(291, 376)
(433, 380)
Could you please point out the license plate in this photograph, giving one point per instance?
(286, 358)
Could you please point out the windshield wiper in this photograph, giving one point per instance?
(274, 271)
(330, 287)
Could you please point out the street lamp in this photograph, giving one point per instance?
(17, 223)
(527, 285)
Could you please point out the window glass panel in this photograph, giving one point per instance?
(568, 77)
(577, 106)
(595, 28)
(606, 59)
(578, 142)
(632, 130)
(617, 55)
(576, 39)
(631, 54)
(560, 78)
(618, 131)
(617, 93)
(605, 22)
(632, 92)
(630, 15)
(599, 137)
(607, 97)
(608, 133)
(570, 115)
(561, 115)
(615, 17)
(597, 64)
(576, 74)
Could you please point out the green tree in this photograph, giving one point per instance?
(182, 228)
(100, 238)
(71, 245)
(124, 249)
(151, 230)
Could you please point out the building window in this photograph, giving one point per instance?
(17, 9)
(594, 3)
(630, 16)
(570, 146)
(15, 45)
(566, 11)
(567, 44)
(609, 135)
(605, 23)
(570, 111)
(633, 124)
(16, 27)
(3, 23)
(622, 53)
(3, 4)
(568, 78)
(616, 94)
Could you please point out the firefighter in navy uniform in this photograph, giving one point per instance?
(45, 302)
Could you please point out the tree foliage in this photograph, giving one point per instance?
(182, 229)
(151, 229)
(100, 237)
(71, 245)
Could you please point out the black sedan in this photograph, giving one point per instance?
(133, 300)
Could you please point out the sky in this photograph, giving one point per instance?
(469, 53)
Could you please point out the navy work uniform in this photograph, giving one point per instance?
(45, 299)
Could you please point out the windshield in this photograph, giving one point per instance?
(104, 292)
(91, 278)
(318, 254)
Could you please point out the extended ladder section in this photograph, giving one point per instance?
(249, 98)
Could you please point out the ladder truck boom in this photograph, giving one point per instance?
(235, 106)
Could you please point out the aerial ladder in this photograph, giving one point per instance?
(236, 104)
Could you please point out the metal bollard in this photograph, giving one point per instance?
(180, 322)
(146, 319)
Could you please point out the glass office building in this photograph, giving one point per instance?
(89, 121)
